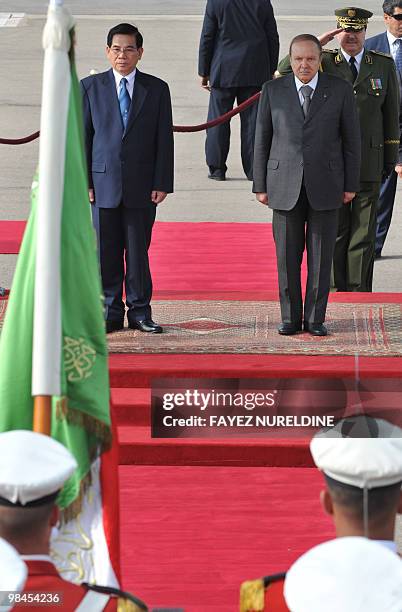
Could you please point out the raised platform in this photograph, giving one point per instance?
(250, 327)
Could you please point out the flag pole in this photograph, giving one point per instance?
(42, 416)
(47, 318)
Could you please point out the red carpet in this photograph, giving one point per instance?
(11, 233)
(197, 257)
(192, 535)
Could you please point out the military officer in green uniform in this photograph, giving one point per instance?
(375, 85)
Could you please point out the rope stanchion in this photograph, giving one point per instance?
(176, 128)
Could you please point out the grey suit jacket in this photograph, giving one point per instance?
(323, 149)
(239, 44)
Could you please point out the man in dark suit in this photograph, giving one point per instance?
(238, 52)
(306, 166)
(389, 42)
(129, 147)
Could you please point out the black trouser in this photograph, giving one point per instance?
(124, 236)
(293, 230)
(385, 207)
(218, 138)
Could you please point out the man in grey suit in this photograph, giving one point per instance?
(129, 149)
(306, 166)
(238, 52)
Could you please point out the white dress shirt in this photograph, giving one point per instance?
(312, 84)
(393, 47)
(130, 81)
(358, 58)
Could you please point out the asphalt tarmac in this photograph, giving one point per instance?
(175, 7)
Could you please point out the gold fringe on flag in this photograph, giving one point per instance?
(89, 423)
(103, 434)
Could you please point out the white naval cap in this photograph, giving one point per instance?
(362, 462)
(13, 573)
(350, 574)
(33, 467)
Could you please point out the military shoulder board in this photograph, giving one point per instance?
(382, 53)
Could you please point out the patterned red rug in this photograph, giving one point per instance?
(250, 327)
(218, 326)
(3, 307)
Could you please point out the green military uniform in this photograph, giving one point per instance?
(377, 97)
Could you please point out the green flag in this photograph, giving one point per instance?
(53, 340)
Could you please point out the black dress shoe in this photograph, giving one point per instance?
(113, 325)
(217, 174)
(146, 325)
(289, 329)
(316, 329)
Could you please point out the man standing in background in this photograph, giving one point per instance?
(238, 52)
(389, 42)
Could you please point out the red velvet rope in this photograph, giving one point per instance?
(176, 128)
(17, 141)
(218, 120)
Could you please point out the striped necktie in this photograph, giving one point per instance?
(124, 101)
(306, 91)
(398, 58)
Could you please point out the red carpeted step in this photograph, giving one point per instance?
(131, 406)
(139, 370)
(136, 447)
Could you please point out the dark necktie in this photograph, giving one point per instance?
(398, 58)
(306, 91)
(352, 62)
(124, 101)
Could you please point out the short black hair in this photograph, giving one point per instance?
(381, 500)
(125, 28)
(305, 38)
(389, 6)
(24, 522)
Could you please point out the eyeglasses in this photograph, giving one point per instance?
(398, 16)
(125, 50)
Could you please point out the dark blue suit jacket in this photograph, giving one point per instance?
(239, 44)
(380, 43)
(127, 165)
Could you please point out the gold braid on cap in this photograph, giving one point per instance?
(356, 24)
